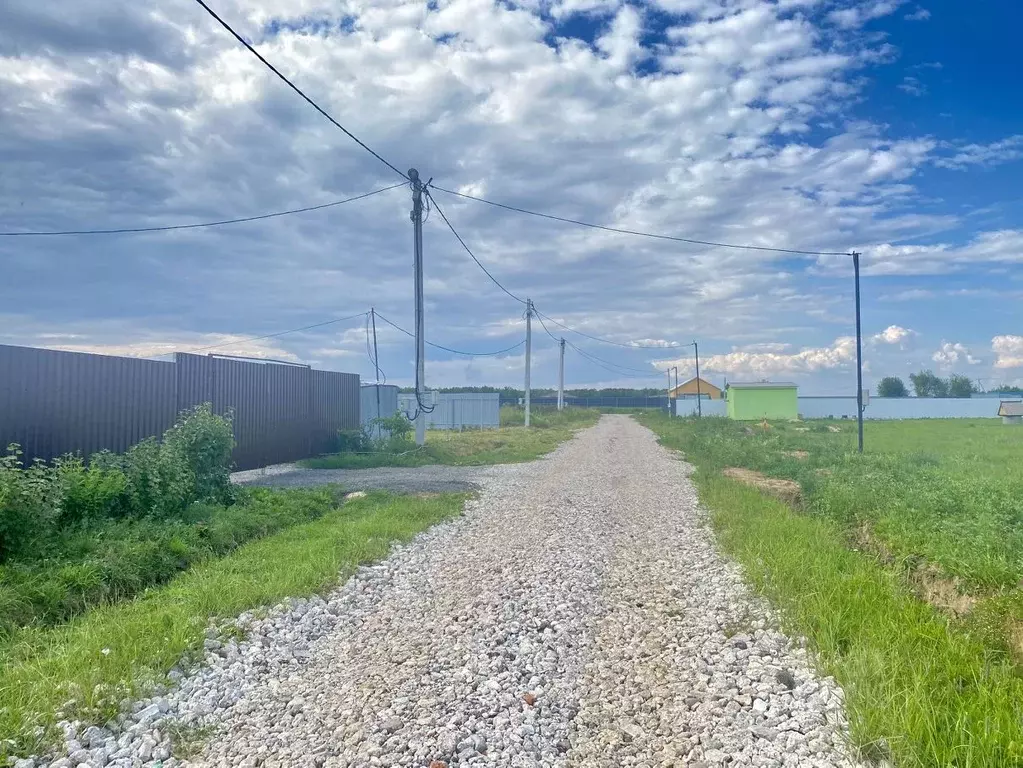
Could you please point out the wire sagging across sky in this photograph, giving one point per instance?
(638, 233)
(296, 89)
(449, 349)
(280, 333)
(171, 227)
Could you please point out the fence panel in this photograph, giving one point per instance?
(457, 410)
(53, 402)
(369, 395)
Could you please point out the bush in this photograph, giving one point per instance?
(29, 503)
(353, 441)
(396, 433)
(90, 493)
(201, 442)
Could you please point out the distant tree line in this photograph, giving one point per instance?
(927, 384)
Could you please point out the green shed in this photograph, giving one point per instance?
(762, 400)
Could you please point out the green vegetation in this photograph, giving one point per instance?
(85, 667)
(928, 685)
(510, 444)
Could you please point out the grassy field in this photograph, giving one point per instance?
(902, 566)
(511, 443)
(86, 666)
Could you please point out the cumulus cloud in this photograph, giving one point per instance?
(894, 334)
(920, 14)
(725, 125)
(758, 364)
(1008, 351)
(950, 354)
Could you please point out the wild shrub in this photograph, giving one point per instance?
(353, 441)
(90, 493)
(30, 502)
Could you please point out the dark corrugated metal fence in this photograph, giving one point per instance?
(52, 403)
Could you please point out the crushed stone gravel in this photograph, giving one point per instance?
(434, 478)
(579, 614)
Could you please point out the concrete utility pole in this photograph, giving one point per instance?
(417, 228)
(376, 361)
(699, 394)
(859, 353)
(561, 377)
(529, 348)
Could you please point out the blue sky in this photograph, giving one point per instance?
(888, 127)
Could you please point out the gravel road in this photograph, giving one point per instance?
(577, 615)
(430, 479)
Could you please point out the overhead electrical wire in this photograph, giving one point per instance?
(170, 227)
(609, 341)
(297, 90)
(469, 251)
(449, 349)
(275, 335)
(613, 367)
(639, 233)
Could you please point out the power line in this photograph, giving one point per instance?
(467, 250)
(280, 333)
(612, 367)
(449, 349)
(639, 233)
(615, 343)
(296, 89)
(170, 227)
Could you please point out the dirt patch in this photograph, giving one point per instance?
(786, 490)
(926, 580)
(801, 455)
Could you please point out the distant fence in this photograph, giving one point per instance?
(660, 401)
(878, 408)
(53, 402)
(457, 410)
(885, 408)
(689, 407)
(370, 397)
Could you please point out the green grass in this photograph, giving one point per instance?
(510, 444)
(115, 559)
(85, 667)
(918, 690)
(925, 686)
(949, 492)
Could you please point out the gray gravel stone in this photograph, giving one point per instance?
(579, 614)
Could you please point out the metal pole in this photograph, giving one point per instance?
(859, 354)
(376, 362)
(561, 377)
(529, 343)
(699, 391)
(668, 371)
(417, 226)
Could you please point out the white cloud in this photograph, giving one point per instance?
(920, 14)
(894, 334)
(858, 15)
(1008, 351)
(950, 354)
(912, 86)
(741, 134)
(653, 343)
(840, 354)
(986, 155)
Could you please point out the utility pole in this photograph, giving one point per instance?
(376, 360)
(859, 354)
(529, 346)
(417, 228)
(699, 392)
(675, 369)
(561, 377)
